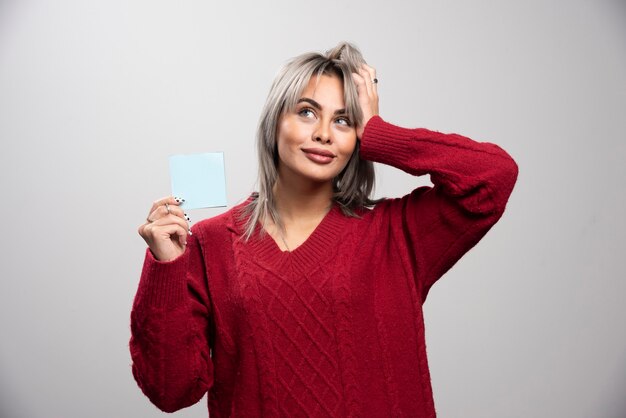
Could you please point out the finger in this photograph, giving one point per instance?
(166, 209)
(370, 70)
(174, 232)
(158, 213)
(360, 82)
(178, 211)
(361, 86)
(364, 99)
(368, 81)
(171, 219)
(170, 200)
(372, 73)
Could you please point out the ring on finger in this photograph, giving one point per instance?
(167, 208)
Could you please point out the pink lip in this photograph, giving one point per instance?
(319, 156)
(319, 151)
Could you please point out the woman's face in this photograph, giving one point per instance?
(316, 139)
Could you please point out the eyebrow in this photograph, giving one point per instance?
(319, 107)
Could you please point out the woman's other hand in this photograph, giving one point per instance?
(166, 229)
(367, 88)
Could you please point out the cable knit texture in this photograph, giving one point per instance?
(333, 328)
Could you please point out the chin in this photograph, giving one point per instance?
(320, 177)
(321, 174)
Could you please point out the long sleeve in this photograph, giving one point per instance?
(171, 328)
(472, 182)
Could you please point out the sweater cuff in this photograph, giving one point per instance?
(386, 143)
(163, 283)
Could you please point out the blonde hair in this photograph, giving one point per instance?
(353, 186)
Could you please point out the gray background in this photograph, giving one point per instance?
(94, 96)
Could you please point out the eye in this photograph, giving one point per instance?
(345, 120)
(303, 112)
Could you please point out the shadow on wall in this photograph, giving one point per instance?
(613, 390)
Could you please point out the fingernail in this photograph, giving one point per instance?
(179, 199)
(188, 219)
(190, 232)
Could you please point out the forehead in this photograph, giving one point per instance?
(326, 90)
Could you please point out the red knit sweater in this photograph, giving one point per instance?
(335, 327)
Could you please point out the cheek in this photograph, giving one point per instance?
(290, 134)
(347, 147)
(284, 152)
(282, 138)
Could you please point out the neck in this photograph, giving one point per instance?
(300, 199)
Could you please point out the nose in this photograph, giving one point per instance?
(322, 134)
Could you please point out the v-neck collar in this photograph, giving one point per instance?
(323, 238)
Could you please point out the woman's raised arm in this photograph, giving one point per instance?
(472, 184)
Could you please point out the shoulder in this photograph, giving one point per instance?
(389, 207)
(220, 225)
(212, 224)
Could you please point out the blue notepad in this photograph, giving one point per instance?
(199, 179)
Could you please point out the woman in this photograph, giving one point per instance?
(306, 299)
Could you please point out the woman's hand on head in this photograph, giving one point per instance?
(166, 229)
(368, 95)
